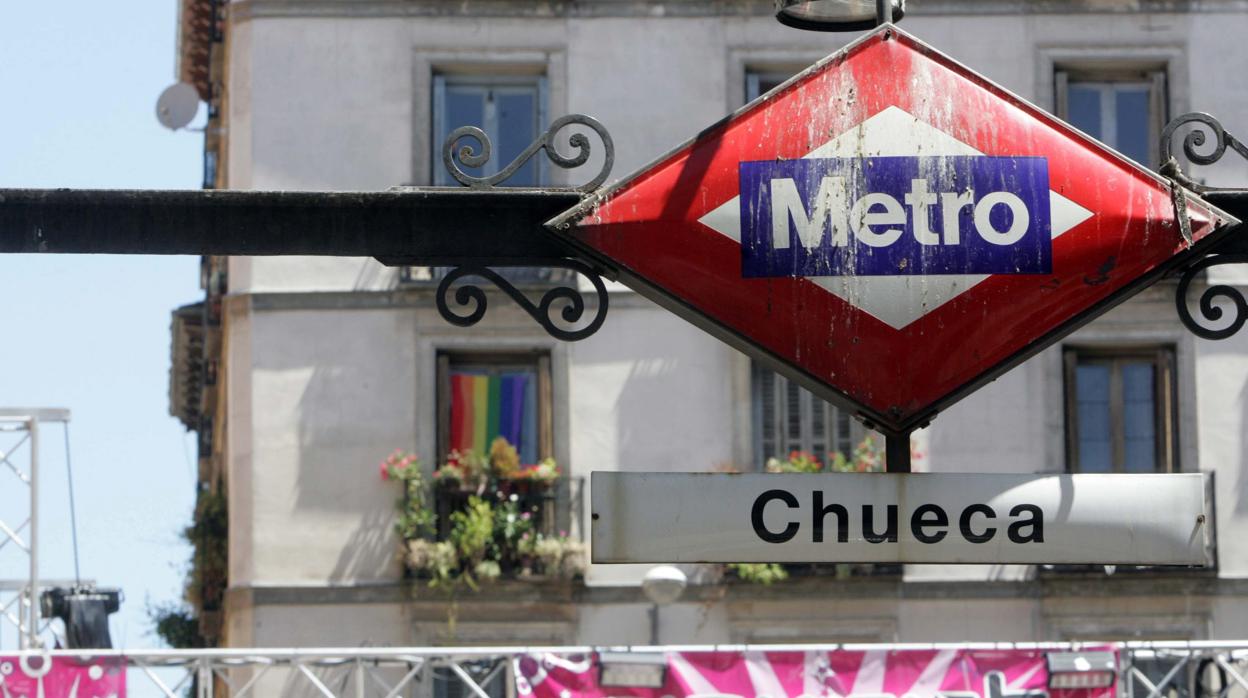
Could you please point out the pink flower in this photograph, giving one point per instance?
(385, 471)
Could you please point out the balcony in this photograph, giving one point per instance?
(479, 519)
(534, 543)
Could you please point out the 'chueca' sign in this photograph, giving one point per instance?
(916, 518)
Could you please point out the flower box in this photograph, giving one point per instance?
(482, 519)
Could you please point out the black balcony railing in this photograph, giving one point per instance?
(504, 528)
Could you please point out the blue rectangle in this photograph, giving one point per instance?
(888, 216)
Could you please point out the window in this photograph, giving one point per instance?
(1123, 107)
(483, 396)
(789, 418)
(509, 108)
(760, 82)
(1120, 410)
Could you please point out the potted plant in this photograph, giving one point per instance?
(463, 471)
(490, 522)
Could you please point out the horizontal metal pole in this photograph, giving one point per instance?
(406, 225)
(431, 225)
(43, 414)
(8, 585)
(277, 655)
(1236, 204)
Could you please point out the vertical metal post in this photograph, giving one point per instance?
(1126, 683)
(31, 641)
(654, 625)
(897, 453)
(204, 677)
(883, 12)
(510, 683)
(359, 678)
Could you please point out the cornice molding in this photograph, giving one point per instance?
(1074, 586)
(242, 10)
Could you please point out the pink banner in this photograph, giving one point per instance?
(34, 676)
(945, 673)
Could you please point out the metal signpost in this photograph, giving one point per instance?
(888, 228)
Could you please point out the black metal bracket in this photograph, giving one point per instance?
(468, 155)
(1214, 300)
(1192, 143)
(1209, 310)
(567, 299)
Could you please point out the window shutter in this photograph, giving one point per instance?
(766, 416)
(789, 418)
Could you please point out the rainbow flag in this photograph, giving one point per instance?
(485, 406)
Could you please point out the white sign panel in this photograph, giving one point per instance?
(901, 518)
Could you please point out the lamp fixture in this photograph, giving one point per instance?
(632, 670)
(1081, 669)
(838, 15)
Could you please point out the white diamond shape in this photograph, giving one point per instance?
(895, 300)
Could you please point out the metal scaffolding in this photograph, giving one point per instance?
(1213, 669)
(1184, 670)
(19, 530)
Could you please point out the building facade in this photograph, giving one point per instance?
(300, 374)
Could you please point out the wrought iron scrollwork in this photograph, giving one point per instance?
(469, 156)
(565, 299)
(1192, 143)
(1209, 310)
(1216, 300)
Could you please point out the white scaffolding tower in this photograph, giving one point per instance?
(19, 527)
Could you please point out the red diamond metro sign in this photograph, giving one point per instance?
(890, 229)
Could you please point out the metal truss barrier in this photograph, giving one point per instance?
(1213, 669)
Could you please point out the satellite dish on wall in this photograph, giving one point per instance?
(177, 105)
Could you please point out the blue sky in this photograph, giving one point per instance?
(79, 82)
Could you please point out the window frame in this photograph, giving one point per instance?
(1105, 75)
(756, 75)
(501, 78)
(749, 57)
(492, 76)
(537, 359)
(1165, 401)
